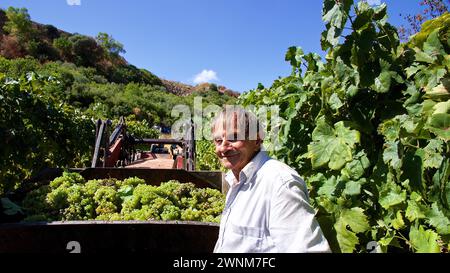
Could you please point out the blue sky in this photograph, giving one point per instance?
(236, 43)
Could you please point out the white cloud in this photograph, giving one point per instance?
(205, 76)
(74, 2)
(374, 2)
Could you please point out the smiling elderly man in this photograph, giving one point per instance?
(267, 208)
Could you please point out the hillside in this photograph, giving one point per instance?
(21, 37)
(93, 76)
(182, 89)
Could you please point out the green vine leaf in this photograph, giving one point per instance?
(433, 154)
(334, 102)
(391, 194)
(433, 47)
(354, 187)
(437, 219)
(347, 239)
(439, 124)
(424, 241)
(415, 211)
(391, 155)
(356, 168)
(335, 15)
(295, 56)
(356, 220)
(329, 186)
(332, 146)
(398, 222)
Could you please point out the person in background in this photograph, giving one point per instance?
(267, 207)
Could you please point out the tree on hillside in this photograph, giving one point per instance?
(109, 44)
(430, 9)
(86, 50)
(51, 32)
(42, 50)
(64, 45)
(3, 20)
(18, 23)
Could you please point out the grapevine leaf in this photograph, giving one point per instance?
(335, 102)
(390, 129)
(391, 156)
(355, 218)
(437, 219)
(441, 183)
(383, 82)
(314, 62)
(329, 10)
(356, 168)
(398, 222)
(388, 239)
(332, 146)
(415, 211)
(335, 14)
(327, 204)
(391, 194)
(353, 187)
(436, 75)
(441, 108)
(347, 239)
(433, 46)
(429, 26)
(352, 90)
(125, 192)
(364, 17)
(397, 77)
(411, 70)
(433, 154)
(424, 241)
(415, 197)
(409, 123)
(294, 55)
(439, 124)
(380, 14)
(440, 92)
(424, 57)
(384, 65)
(328, 187)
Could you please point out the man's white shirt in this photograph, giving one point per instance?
(268, 210)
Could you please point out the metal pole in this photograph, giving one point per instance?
(97, 144)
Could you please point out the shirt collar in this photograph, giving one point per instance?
(249, 170)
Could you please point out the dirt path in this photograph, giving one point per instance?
(153, 161)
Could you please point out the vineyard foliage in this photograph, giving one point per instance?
(38, 131)
(71, 197)
(369, 129)
(138, 129)
(206, 158)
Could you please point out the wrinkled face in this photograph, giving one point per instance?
(234, 154)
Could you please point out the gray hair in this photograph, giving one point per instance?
(246, 125)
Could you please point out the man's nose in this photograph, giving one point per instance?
(224, 145)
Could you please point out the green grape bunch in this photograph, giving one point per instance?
(71, 197)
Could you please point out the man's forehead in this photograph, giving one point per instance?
(220, 132)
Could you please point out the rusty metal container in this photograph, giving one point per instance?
(115, 236)
(103, 237)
